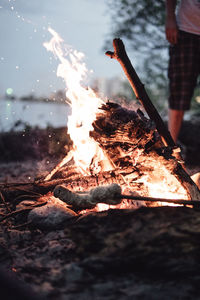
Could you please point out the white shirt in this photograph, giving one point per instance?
(188, 17)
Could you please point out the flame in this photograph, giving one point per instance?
(84, 107)
(162, 184)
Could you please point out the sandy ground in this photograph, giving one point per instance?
(26, 171)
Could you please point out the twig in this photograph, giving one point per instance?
(22, 225)
(16, 212)
(4, 202)
(27, 197)
(195, 203)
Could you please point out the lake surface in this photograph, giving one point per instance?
(39, 114)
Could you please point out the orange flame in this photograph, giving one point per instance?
(84, 107)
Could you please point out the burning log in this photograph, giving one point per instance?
(136, 150)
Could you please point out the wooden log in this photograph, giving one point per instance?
(15, 193)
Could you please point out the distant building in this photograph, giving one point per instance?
(112, 87)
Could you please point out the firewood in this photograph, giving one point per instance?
(130, 141)
(14, 193)
(140, 161)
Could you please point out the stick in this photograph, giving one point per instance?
(110, 194)
(194, 203)
(4, 202)
(120, 55)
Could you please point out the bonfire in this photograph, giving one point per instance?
(121, 159)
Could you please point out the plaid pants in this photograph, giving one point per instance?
(183, 70)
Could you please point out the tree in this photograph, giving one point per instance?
(141, 25)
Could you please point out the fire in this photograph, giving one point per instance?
(84, 107)
(88, 157)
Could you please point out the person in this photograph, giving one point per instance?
(183, 34)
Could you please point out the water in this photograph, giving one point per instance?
(41, 114)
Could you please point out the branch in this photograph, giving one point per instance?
(120, 55)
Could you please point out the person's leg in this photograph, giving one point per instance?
(175, 119)
(183, 71)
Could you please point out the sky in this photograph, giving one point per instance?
(26, 66)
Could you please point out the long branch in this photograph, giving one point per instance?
(121, 56)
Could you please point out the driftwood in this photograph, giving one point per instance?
(121, 56)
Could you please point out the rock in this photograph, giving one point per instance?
(73, 272)
(51, 215)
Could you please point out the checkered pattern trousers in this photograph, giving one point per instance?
(183, 70)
